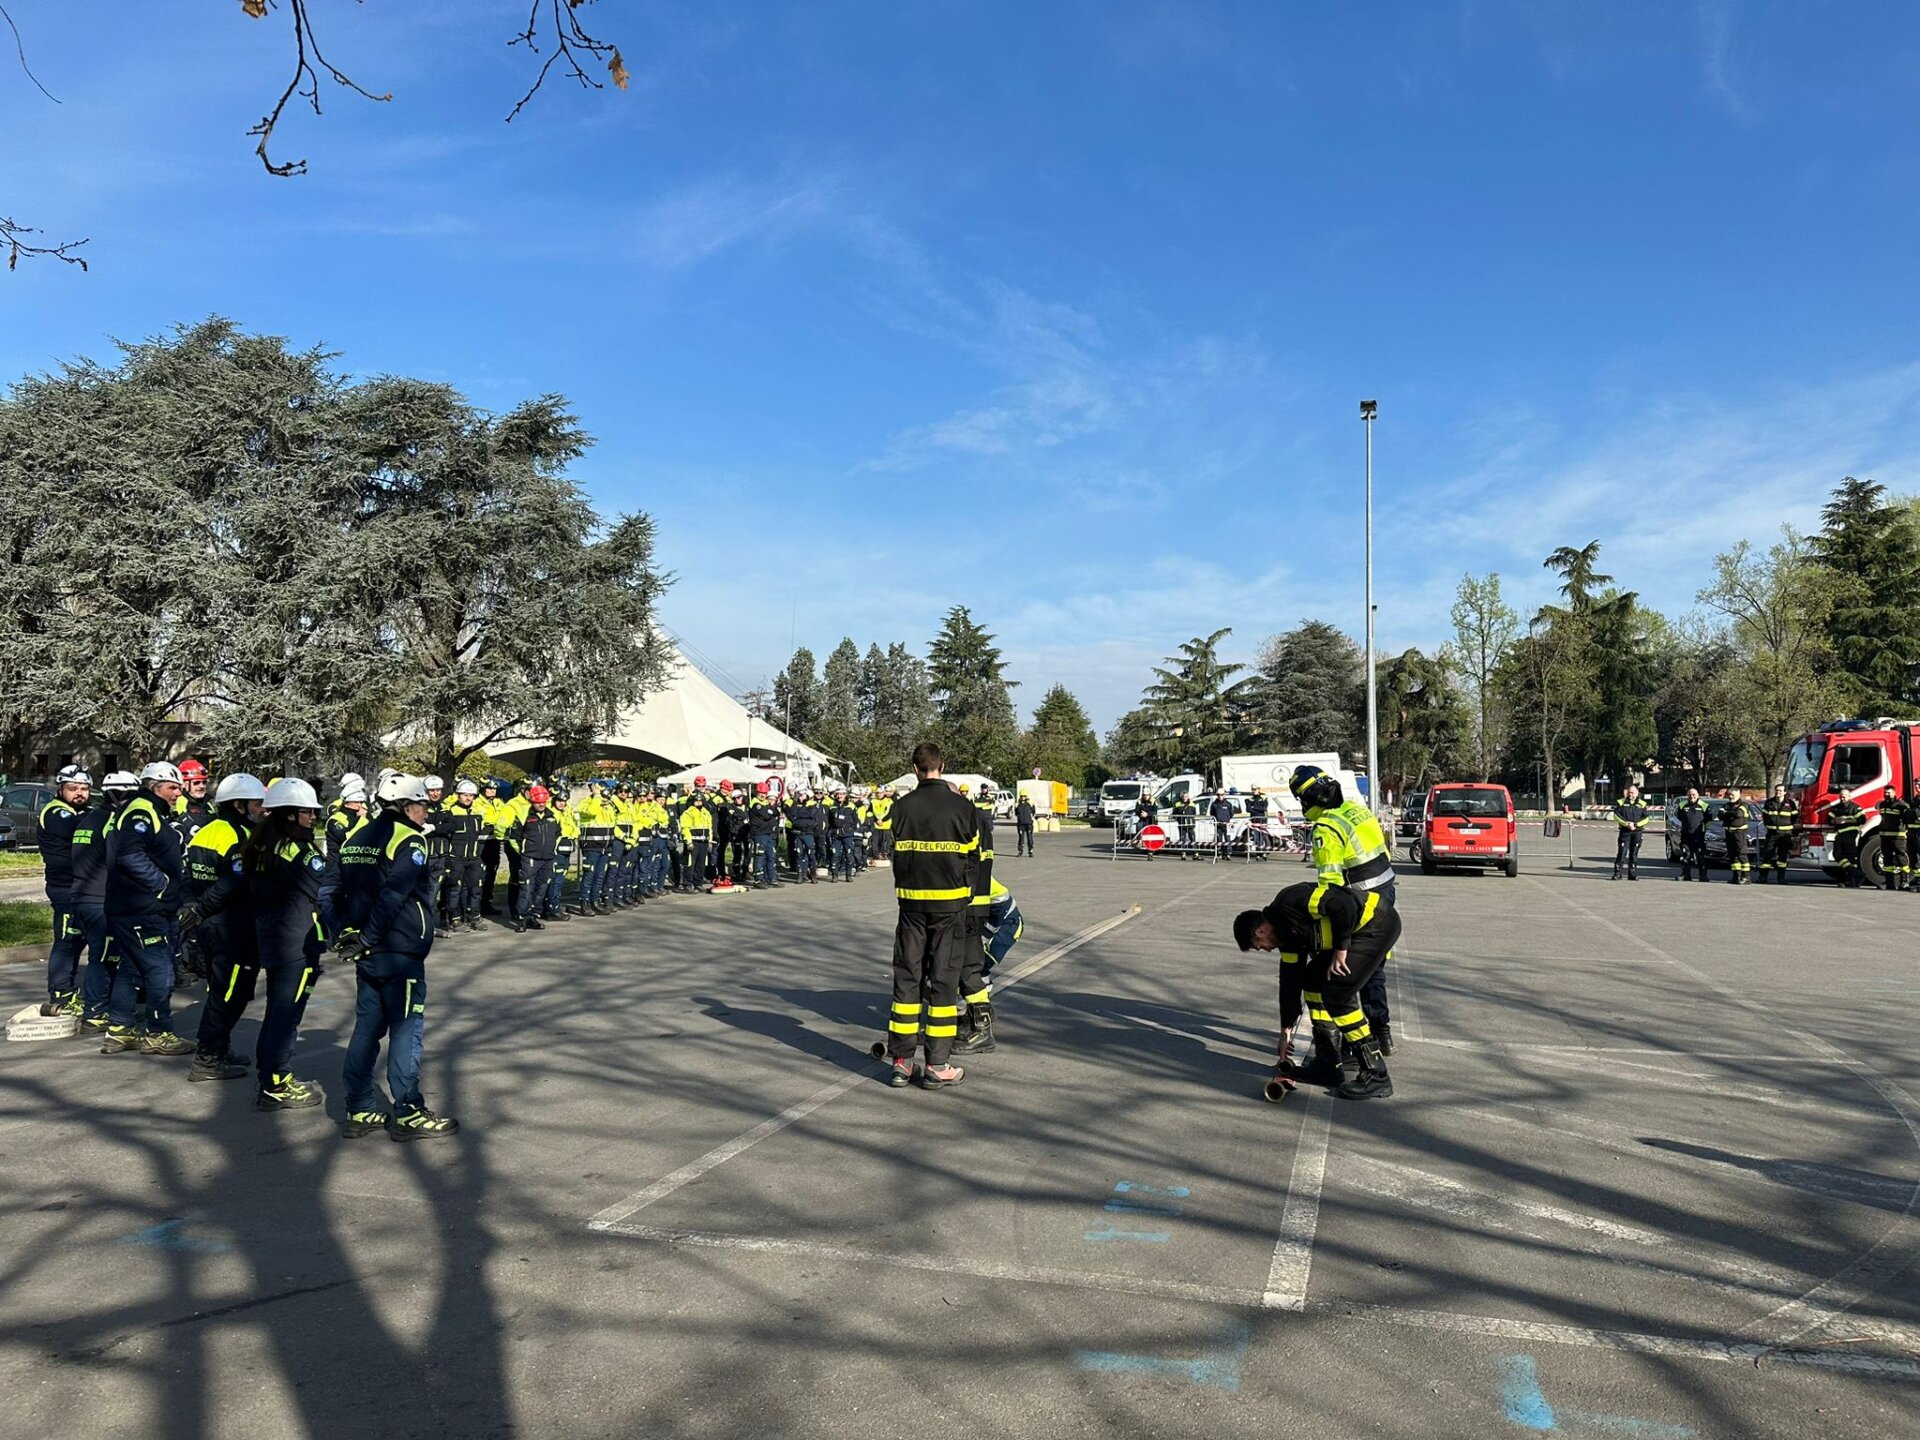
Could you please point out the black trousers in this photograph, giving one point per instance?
(928, 950)
(1893, 857)
(694, 875)
(1023, 840)
(973, 961)
(437, 868)
(536, 878)
(1335, 999)
(1693, 854)
(1737, 853)
(229, 991)
(1627, 851)
(1774, 850)
(463, 889)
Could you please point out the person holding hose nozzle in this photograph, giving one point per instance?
(1331, 940)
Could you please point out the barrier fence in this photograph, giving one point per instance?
(1205, 837)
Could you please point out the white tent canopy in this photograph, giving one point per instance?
(726, 767)
(973, 782)
(690, 721)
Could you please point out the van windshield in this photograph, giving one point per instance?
(1475, 802)
(1120, 790)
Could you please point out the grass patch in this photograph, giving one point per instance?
(15, 862)
(25, 922)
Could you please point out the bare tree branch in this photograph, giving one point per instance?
(558, 22)
(308, 62)
(13, 238)
(20, 49)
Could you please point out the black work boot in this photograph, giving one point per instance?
(979, 1037)
(214, 1067)
(1383, 1032)
(1324, 1067)
(1373, 1082)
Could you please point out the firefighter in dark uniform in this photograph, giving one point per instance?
(696, 834)
(388, 932)
(218, 915)
(1185, 813)
(92, 857)
(1259, 840)
(1845, 818)
(936, 847)
(56, 822)
(1690, 817)
(439, 851)
(143, 893)
(1780, 817)
(1346, 846)
(809, 826)
(466, 842)
(292, 926)
(1331, 941)
(192, 809)
(1631, 819)
(1144, 814)
(975, 992)
(843, 825)
(1895, 816)
(535, 840)
(1734, 820)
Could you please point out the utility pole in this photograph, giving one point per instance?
(1368, 409)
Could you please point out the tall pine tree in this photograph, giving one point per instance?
(1870, 547)
(796, 697)
(972, 702)
(1311, 695)
(1061, 745)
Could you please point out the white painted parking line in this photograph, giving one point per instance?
(826, 1095)
(1292, 1262)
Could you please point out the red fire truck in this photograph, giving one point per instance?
(1858, 758)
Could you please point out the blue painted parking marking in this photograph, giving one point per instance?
(1217, 1370)
(1525, 1404)
(1108, 1233)
(166, 1236)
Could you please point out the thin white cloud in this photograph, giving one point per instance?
(682, 229)
(1717, 23)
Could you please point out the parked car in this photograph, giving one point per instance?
(1716, 831)
(20, 813)
(1469, 825)
(1412, 818)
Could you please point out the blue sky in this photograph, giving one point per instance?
(1083, 292)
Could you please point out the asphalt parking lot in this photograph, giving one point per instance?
(1651, 1169)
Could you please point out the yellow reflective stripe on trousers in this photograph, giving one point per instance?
(306, 979)
(979, 997)
(233, 979)
(964, 892)
(1366, 911)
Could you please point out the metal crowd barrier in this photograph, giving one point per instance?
(1203, 836)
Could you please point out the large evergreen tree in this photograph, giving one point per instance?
(1873, 625)
(1199, 710)
(1130, 743)
(1424, 727)
(1311, 695)
(896, 705)
(1061, 744)
(837, 729)
(796, 697)
(973, 704)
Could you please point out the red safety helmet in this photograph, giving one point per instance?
(727, 785)
(192, 770)
(700, 781)
(538, 794)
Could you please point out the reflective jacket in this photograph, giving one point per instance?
(91, 853)
(882, 811)
(385, 892)
(1781, 817)
(465, 831)
(290, 903)
(696, 824)
(1349, 848)
(217, 887)
(143, 879)
(536, 835)
(57, 821)
(1691, 816)
(1631, 815)
(936, 849)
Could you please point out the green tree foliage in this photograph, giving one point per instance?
(1545, 682)
(896, 705)
(1777, 607)
(220, 530)
(1484, 629)
(1130, 744)
(972, 699)
(838, 729)
(1424, 725)
(1871, 548)
(1199, 710)
(1061, 743)
(1310, 694)
(796, 697)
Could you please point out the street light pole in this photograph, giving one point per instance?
(1368, 409)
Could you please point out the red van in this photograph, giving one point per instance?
(1469, 824)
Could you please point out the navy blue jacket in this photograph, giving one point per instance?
(386, 890)
(144, 875)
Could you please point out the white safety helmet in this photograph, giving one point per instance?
(160, 772)
(353, 790)
(294, 794)
(399, 789)
(73, 775)
(239, 787)
(353, 777)
(121, 780)
(466, 787)
(394, 785)
(434, 782)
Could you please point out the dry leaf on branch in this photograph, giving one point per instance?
(617, 71)
(257, 9)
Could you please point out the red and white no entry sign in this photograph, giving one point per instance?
(1152, 837)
